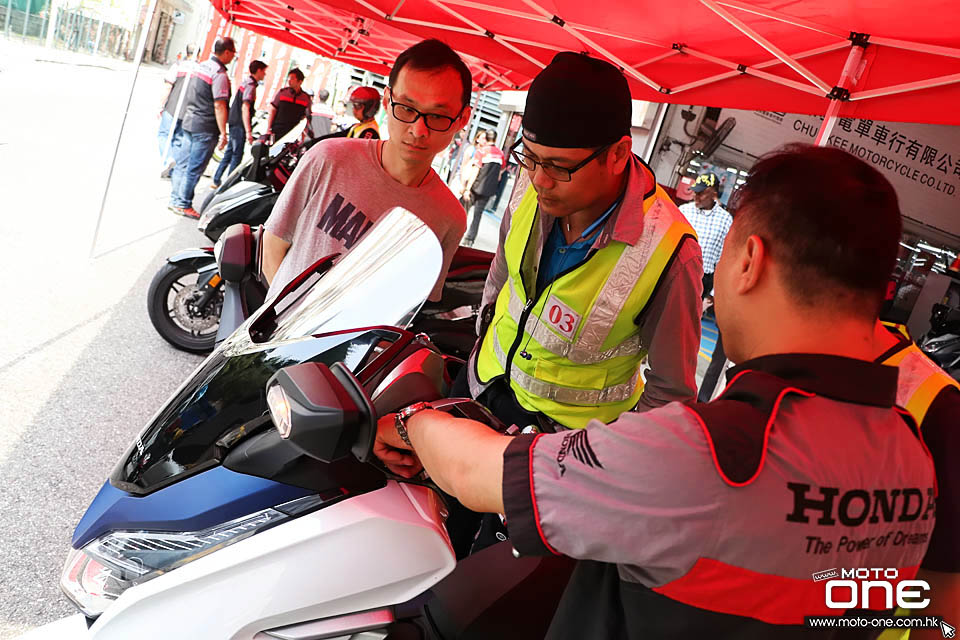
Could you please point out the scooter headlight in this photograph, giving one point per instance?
(102, 570)
(279, 405)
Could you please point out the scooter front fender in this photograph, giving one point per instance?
(200, 256)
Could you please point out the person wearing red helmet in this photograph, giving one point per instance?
(365, 102)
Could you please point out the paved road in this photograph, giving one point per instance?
(81, 368)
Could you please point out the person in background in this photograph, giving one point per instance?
(468, 169)
(712, 223)
(239, 120)
(365, 102)
(289, 106)
(177, 76)
(321, 115)
(204, 125)
(490, 162)
(932, 398)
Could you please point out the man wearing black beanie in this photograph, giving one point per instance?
(596, 268)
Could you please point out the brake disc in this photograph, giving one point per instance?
(188, 316)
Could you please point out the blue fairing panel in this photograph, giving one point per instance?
(195, 503)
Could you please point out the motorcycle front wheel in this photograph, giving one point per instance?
(174, 312)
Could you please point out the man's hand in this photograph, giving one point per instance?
(223, 142)
(392, 450)
(707, 303)
(249, 137)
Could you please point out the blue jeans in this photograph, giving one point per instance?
(165, 121)
(233, 153)
(192, 157)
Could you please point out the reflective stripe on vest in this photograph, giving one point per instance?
(596, 361)
(920, 381)
(357, 129)
(568, 395)
(899, 328)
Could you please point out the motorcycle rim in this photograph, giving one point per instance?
(169, 305)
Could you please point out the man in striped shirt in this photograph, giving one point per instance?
(711, 222)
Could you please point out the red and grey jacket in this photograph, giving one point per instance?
(710, 520)
(178, 76)
(246, 93)
(208, 84)
(291, 108)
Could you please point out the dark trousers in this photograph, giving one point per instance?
(233, 152)
(715, 368)
(479, 204)
(192, 157)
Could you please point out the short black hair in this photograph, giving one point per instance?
(491, 135)
(224, 44)
(190, 50)
(829, 220)
(256, 65)
(433, 55)
(296, 72)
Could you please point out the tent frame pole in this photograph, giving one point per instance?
(740, 26)
(589, 42)
(781, 17)
(848, 79)
(906, 88)
(793, 84)
(947, 52)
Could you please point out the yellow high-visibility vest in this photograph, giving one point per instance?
(578, 355)
(357, 130)
(919, 383)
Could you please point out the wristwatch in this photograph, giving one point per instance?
(401, 417)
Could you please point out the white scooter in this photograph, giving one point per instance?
(250, 507)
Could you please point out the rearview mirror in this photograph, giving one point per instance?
(234, 253)
(323, 411)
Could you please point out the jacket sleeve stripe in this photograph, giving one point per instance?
(519, 498)
(724, 588)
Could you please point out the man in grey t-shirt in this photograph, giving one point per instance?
(343, 186)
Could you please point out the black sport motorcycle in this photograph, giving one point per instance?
(185, 297)
(942, 342)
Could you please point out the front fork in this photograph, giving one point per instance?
(208, 282)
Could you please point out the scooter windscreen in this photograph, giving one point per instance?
(383, 281)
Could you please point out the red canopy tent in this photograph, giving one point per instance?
(884, 60)
(349, 37)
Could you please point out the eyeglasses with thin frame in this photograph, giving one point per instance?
(554, 172)
(434, 121)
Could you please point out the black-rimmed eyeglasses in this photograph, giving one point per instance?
(560, 174)
(434, 121)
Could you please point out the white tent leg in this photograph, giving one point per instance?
(848, 79)
(141, 44)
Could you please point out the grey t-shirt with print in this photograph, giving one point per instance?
(338, 190)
